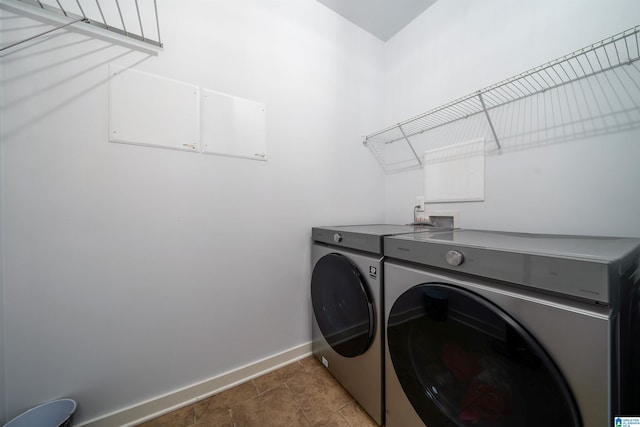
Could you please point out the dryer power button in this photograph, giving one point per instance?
(454, 258)
(337, 238)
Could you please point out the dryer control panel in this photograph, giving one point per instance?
(584, 267)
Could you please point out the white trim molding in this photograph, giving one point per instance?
(177, 399)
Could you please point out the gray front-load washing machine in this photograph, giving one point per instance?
(346, 295)
(505, 329)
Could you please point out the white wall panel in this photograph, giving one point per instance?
(232, 126)
(148, 109)
(454, 173)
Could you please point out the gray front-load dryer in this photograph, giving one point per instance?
(346, 295)
(505, 329)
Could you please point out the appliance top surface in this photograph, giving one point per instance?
(368, 238)
(376, 229)
(604, 249)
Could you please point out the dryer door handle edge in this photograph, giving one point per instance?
(372, 320)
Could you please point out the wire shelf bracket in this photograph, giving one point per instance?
(404, 135)
(587, 92)
(493, 131)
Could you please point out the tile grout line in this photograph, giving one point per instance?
(285, 383)
(345, 420)
(337, 411)
(258, 394)
(297, 403)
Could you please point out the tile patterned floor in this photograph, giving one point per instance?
(302, 394)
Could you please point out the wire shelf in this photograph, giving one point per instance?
(134, 19)
(591, 91)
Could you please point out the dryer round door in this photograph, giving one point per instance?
(463, 361)
(342, 305)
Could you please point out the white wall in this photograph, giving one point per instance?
(587, 186)
(2, 366)
(2, 323)
(131, 271)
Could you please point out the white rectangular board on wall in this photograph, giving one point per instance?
(455, 173)
(145, 109)
(232, 126)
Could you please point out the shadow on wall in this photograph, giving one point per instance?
(598, 105)
(591, 92)
(26, 68)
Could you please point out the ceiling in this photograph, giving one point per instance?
(382, 18)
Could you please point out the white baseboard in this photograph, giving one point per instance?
(161, 405)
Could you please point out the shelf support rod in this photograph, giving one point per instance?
(410, 146)
(42, 34)
(486, 113)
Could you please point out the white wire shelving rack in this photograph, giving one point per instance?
(133, 19)
(592, 91)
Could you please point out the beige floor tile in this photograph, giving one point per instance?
(335, 420)
(357, 417)
(278, 377)
(310, 363)
(301, 394)
(274, 408)
(291, 370)
(223, 401)
(318, 394)
(268, 381)
(178, 418)
(216, 418)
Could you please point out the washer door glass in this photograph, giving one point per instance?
(462, 361)
(342, 305)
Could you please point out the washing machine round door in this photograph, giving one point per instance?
(342, 305)
(463, 361)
